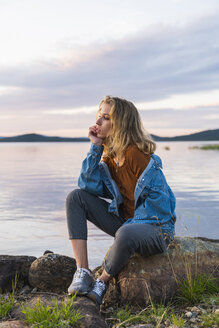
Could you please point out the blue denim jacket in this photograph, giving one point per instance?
(154, 200)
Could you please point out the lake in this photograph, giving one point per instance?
(36, 178)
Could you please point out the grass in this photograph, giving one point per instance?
(155, 314)
(208, 320)
(45, 316)
(7, 300)
(193, 289)
(177, 321)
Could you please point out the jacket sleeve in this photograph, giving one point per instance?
(90, 176)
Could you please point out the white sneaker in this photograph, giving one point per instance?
(81, 283)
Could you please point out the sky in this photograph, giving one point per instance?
(59, 58)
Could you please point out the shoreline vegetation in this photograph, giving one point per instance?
(207, 135)
(206, 147)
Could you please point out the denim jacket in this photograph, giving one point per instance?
(154, 200)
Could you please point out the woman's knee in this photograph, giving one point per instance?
(73, 196)
(125, 237)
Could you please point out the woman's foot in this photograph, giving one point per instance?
(81, 283)
(98, 291)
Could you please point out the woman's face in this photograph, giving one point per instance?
(103, 122)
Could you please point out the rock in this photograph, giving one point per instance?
(26, 290)
(34, 290)
(216, 311)
(9, 266)
(195, 309)
(188, 314)
(13, 324)
(193, 320)
(156, 278)
(92, 317)
(144, 325)
(52, 272)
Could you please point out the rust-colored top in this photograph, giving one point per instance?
(126, 176)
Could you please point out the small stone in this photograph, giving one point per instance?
(26, 290)
(34, 290)
(193, 320)
(195, 309)
(188, 314)
(148, 325)
(216, 311)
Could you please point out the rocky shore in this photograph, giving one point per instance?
(144, 294)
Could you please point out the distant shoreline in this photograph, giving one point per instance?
(207, 135)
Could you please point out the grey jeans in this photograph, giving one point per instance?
(145, 239)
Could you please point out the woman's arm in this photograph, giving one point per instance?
(90, 176)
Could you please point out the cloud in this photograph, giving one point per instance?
(155, 64)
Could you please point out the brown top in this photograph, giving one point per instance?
(126, 176)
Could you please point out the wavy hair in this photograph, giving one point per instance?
(126, 128)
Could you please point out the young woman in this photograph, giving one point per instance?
(120, 165)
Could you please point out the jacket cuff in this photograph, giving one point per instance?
(95, 148)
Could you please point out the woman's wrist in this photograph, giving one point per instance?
(98, 143)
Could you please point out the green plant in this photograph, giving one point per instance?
(45, 316)
(209, 320)
(7, 300)
(124, 316)
(210, 147)
(177, 321)
(158, 313)
(211, 300)
(123, 313)
(192, 289)
(153, 313)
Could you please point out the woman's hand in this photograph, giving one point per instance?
(92, 135)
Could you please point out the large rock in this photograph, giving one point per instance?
(9, 266)
(156, 278)
(52, 272)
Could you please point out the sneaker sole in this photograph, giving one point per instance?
(78, 293)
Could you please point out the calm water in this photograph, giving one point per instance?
(36, 177)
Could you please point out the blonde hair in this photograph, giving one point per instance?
(126, 128)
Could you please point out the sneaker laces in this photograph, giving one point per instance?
(79, 274)
(99, 287)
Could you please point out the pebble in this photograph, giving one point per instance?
(193, 320)
(216, 311)
(148, 325)
(25, 290)
(34, 290)
(195, 309)
(188, 314)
